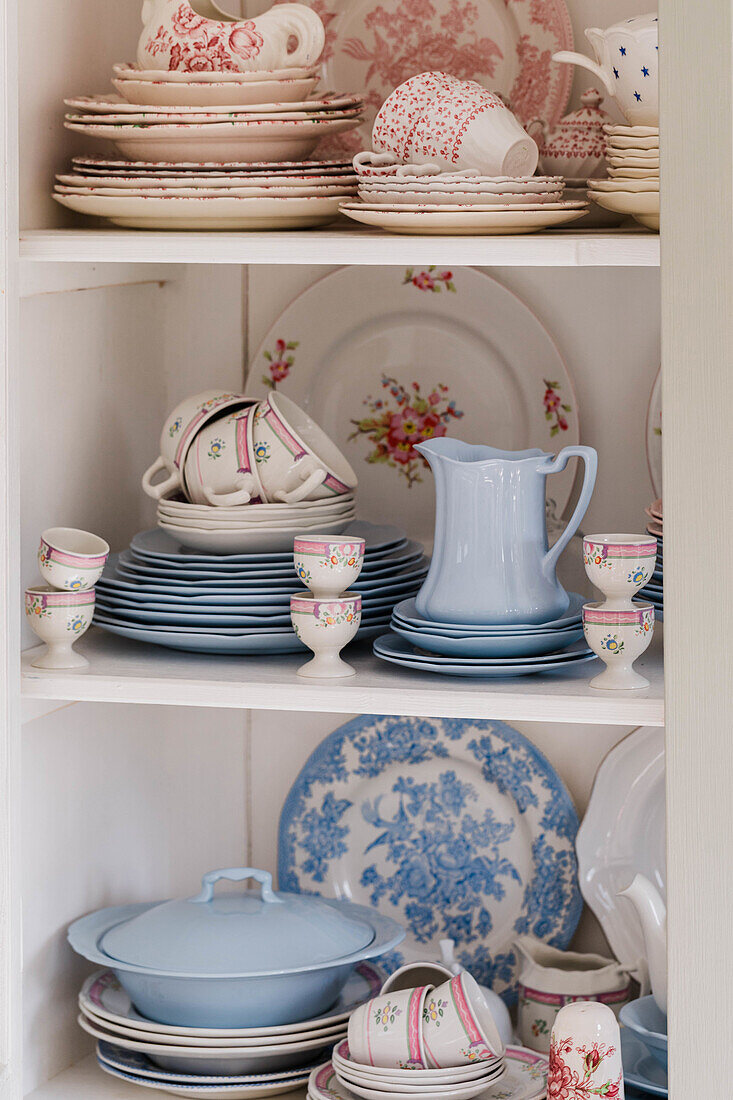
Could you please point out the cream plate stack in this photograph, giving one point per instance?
(422, 199)
(632, 188)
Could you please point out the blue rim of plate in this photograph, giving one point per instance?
(635, 1058)
(151, 1083)
(124, 1060)
(404, 611)
(311, 837)
(469, 669)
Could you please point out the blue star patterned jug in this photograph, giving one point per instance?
(491, 563)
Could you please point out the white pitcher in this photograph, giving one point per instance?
(627, 63)
(199, 37)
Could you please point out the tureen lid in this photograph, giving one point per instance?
(241, 931)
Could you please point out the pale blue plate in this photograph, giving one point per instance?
(519, 645)
(390, 647)
(409, 615)
(641, 1069)
(152, 615)
(458, 829)
(198, 642)
(138, 1066)
(221, 569)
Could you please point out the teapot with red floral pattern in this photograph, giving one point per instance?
(199, 37)
(575, 148)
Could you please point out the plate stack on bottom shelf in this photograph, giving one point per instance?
(654, 590)
(163, 592)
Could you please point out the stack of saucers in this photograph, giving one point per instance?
(421, 198)
(162, 592)
(458, 649)
(654, 590)
(632, 188)
(377, 1083)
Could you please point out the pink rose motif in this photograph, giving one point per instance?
(186, 22)
(279, 362)
(245, 40)
(423, 281)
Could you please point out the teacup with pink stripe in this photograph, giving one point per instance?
(619, 565)
(458, 1026)
(70, 559)
(387, 1031)
(328, 565)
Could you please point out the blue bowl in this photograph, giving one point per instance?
(645, 1019)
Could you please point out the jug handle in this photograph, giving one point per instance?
(556, 466)
(302, 22)
(568, 57)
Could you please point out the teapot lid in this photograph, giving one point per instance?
(590, 114)
(242, 932)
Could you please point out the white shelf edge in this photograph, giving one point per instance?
(343, 245)
(127, 672)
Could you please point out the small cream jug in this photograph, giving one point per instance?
(549, 979)
(199, 37)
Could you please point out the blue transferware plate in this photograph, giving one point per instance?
(521, 645)
(641, 1069)
(157, 544)
(410, 616)
(136, 1063)
(390, 647)
(458, 829)
(197, 642)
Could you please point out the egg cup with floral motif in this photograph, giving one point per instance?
(585, 1053)
(387, 1031)
(71, 560)
(59, 618)
(618, 638)
(328, 565)
(619, 565)
(458, 1025)
(326, 626)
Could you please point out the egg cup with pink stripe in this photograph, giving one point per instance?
(59, 618)
(326, 626)
(619, 565)
(71, 560)
(328, 565)
(387, 1031)
(618, 638)
(458, 1026)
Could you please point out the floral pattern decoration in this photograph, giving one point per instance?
(216, 448)
(434, 1010)
(77, 625)
(639, 576)
(175, 426)
(261, 451)
(386, 1015)
(195, 44)
(304, 574)
(432, 279)
(280, 362)
(34, 605)
(402, 418)
(555, 408)
(646, 623)
(334, 614)
(342, 554)
(597, 555)
(566, 1083)
(612, 644)
(476, 1052)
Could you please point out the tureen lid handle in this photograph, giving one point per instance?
(237, 874)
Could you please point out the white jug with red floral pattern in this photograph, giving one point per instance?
(198, 37)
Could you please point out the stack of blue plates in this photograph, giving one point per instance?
(653, 592)
(460, 650)
(162, 592)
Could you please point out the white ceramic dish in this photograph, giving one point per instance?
(632, 141)
(206, 213)
(629, 131)
(205, 1092)
(130, 1061)
(242, 94)
(634, 173)
(623, 834)
(452, 1092)
(635, 186)
(340, 192)
(628, 202)
(381, 320)
(343, 1060)
(187, 1042)
(167, 168)
(633, 162)
(116, 105)
(373, 194)
(133, 71)
(654, 435)
(280, 525)
(264, 184)
(150, 121)
(240, 542)
(464, 222)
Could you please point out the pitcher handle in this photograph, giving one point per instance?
(569, 57)
(556, 466)
(305, 25)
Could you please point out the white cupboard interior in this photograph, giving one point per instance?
(137, 777)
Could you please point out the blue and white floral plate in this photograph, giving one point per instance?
(456, 829)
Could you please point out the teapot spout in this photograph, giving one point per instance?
(568, 57)
(652, 913)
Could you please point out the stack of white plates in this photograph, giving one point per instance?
(251, 527)
(377, 1083)
(162, 592)
(211, 1062)
(632, 188)
(422, 199)
(175, 88)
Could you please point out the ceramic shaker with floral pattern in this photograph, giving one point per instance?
(585, 1054)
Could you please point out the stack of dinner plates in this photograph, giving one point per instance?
(163, 592)
(177, 88)
(209, 1062)
(632, 188)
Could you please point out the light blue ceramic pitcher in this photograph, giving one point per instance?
(490, 561)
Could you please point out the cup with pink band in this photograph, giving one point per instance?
(387, 1031)
(458, 1026)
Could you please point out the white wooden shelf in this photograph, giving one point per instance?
(86, 1081)
(128, 672)
(343, 244)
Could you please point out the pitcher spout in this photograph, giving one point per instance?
(455, 450)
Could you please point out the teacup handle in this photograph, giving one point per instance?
(311, 479)
(243, 495)
(302, 23)
(556, 466)
(171, 483)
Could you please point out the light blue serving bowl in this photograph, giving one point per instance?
(234, 961)
(649, 1023)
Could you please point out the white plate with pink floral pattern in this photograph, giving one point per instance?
(507, 45)
(467, 220)
(412, 353)
(525, 1079)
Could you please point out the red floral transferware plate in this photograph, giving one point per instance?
(384, 358)
(506, 45)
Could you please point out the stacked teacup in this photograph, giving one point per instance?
(328, 617)
(619, 629)
(426, 1041)
(59, 612)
